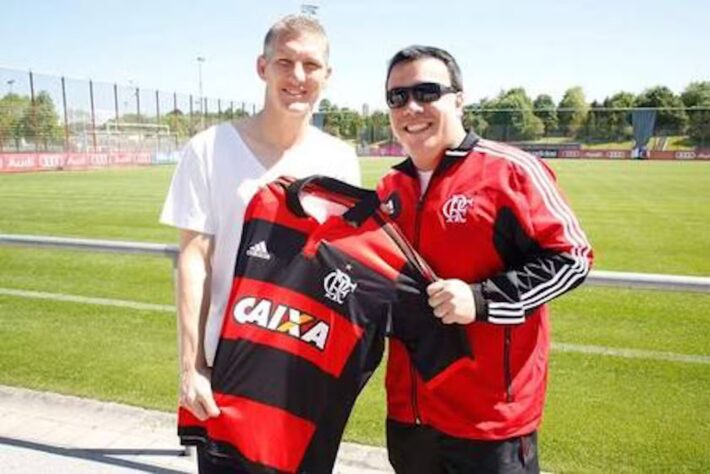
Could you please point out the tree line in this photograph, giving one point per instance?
(21, 119)
(514, 116)
(510, 116)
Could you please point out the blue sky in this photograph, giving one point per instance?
(545, 46)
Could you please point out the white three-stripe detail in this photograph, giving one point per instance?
(566, 276)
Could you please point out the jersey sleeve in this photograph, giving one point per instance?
(436, 349)
(187, 205)
(544, 248)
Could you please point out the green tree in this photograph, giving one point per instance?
(619, 121)
(610, 120)
(13, 108)
(324, 106)
(473, 120)
(511, 117)
(595, 126)
(345, 122)
(40, 122)
(178, 122)
(378, 127)
(696, 99)
(351, 123)
(572, 111)
(234, 114)
(544, 108)
(696, 94)
(333, 120)
(671, 118)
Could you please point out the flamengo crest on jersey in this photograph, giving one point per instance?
(282, 319)
(455, 208)
(338, 285)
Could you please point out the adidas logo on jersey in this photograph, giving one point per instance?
(258, 250)
(392, 205)
(282, 319)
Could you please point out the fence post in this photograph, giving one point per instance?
(66, 116)
(157, 117)
(93, 114)
(34, 110)
(192, 116)
(138, 104)
(205, 113)
(175, 110)
(115, 111)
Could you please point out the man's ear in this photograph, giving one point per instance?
(261, 62)
(328, 72)
(459, 100)
(459, 103)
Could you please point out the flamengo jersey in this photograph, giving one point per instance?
(308, 312)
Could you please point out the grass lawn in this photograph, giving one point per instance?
(604, 414)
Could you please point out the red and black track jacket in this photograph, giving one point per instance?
(491, 216)
(304, 328)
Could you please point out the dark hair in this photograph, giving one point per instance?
(294, 25)
(414, 52)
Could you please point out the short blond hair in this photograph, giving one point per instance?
(294, 25)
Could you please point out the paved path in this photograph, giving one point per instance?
(49, 433)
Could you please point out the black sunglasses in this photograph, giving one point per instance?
(424, 92)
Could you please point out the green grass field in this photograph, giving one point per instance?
(604, 413)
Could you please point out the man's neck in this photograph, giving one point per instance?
(281, 131)
(430, 161)
(270, 135)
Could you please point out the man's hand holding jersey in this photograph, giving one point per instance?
(452, 301)
(196, 394)
(194, 273)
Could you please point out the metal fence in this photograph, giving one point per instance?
(596, 277)
(42, 113)
(610, 128)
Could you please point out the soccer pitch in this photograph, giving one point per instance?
(605, 413)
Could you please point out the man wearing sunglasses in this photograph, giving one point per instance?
(493, 225)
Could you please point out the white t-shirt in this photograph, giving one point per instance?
(213, 183)
(424, 178)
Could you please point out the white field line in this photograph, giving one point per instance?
(557, 346)
(630, 353)
(87, 300)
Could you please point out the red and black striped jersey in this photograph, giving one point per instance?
(309, 309)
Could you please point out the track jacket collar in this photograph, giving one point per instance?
(451, 155)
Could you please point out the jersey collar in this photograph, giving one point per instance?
(451, 156)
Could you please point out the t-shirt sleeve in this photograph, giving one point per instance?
(187, 205)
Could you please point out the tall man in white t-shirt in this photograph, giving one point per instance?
(220, 170)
